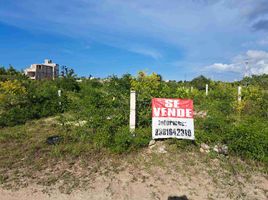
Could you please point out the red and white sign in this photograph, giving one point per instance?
(172, 118)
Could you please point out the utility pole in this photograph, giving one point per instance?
(247, 69)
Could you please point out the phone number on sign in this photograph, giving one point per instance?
(173, 131)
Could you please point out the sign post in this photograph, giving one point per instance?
(172, 118)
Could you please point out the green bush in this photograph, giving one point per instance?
(15, 115)
(26, 100)
(142, 137)
(200, 82)
(102, 139)
(182, 144)
(104, 105)
(122, 140)
(249, 139)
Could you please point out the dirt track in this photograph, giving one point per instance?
(147, 176)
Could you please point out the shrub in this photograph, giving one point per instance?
(24, 100)
(249, 139)
(142, 137)
(200, 82)
(104, 104)
(182, 144)
(102, 139)
(122, 140)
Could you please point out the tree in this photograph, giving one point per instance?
(68, 80)
(200, 82)
(11, 74)
(66, 72)
(2, 71)
(147, 86)
(11, 71)
(11, 93)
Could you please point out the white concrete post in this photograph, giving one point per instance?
(239, 97)
(206, 89)
(132, 117)
(59, 95)
(192, 88)
(53, 72)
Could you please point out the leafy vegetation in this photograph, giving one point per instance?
(93, 114)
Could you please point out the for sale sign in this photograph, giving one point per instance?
(172, 118)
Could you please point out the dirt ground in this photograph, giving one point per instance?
(143, 175)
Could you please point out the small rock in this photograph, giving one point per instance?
(152, 142)
(157, 146)
(162, 149)
(202, 114)
(216, 149)
(221, 149)
(205, 146)
(224, 150)
(53, 140)
(204, 150)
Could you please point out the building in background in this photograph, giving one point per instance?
(47, 70)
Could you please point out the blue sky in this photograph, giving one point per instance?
(176, 38)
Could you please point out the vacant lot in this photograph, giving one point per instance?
(32, 169)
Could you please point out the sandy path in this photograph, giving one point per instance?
(149, 177)
(126, 185)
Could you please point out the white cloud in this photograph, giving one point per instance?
(263, 42)
(117, 22)
(147, 52)
(194, 31)
(260, 43)
(256, 55)
(224, 67)
(249, 63)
